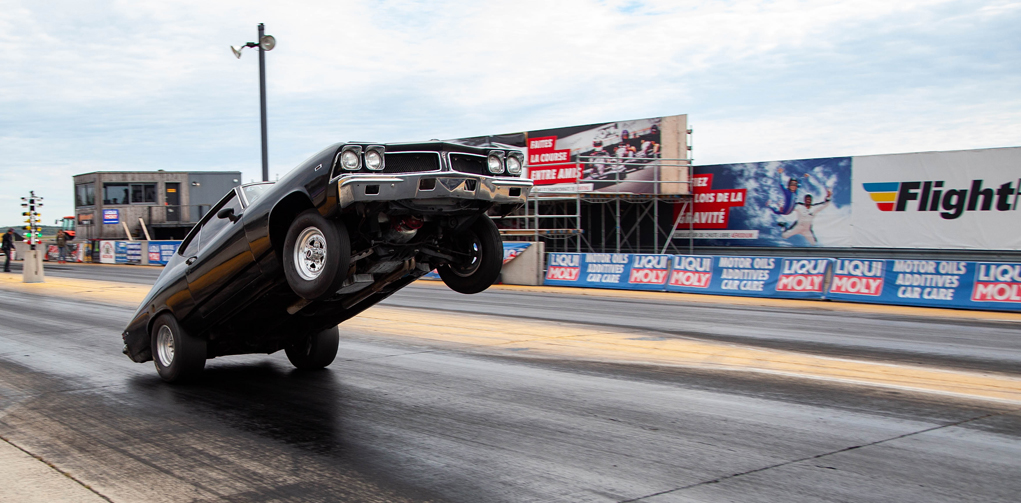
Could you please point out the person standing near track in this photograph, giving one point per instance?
(61, 247)
(7, 246)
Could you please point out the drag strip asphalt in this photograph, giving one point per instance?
(413, 412)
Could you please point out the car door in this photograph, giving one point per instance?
(223, 264)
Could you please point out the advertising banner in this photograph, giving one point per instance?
(601, 154)
(801, 278)
(960, 199)
(620, 156)
(799, 203)
(120, 252)
(601, 270)
(160, 252)
(111, 216)
(511, 249)
(931, 283)
(107, 255)
(133, 251)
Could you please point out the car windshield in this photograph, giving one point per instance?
(253, 192)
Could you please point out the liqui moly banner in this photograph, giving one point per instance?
(648, 272)
(930, 283)
(609, 270)
(690, 273)
(997, 286)
(751, 276)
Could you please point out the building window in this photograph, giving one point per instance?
(85, 194)
(143, 193)
(129, 193)
(115, 193)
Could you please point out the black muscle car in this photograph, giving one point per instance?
(279, 265)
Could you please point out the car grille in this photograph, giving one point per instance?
(411, 162)
(468, 164)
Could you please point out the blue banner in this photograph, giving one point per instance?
(598, 270)
(160, 252)
(120, 252)
(929, 283)
(112, 216)
(800, 278)
(996, 286)
(133, 252)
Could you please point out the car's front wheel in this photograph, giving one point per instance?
(317, 252)
(315, 350)
(178, 355)
(479, 255)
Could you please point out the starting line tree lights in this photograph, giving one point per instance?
(34, 234)
(32, 265)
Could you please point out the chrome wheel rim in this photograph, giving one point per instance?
(165, 346)
(310, 253)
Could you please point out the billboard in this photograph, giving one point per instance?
(620, 156)
(597, 156)
(798, 203)
(961, 199)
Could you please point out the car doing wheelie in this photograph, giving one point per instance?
(279, 265)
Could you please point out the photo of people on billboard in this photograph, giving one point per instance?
(798, 203)
(612, 156)
(600, 156)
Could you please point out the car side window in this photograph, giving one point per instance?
(215, 225)
(191, 248)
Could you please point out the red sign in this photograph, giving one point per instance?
(692, 279)
(563, 273)
(996, 292)
(857, 285)
(799, 283)
(547, 165)
(712, 207)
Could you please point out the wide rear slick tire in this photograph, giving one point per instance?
(315, 350)
(317, 253)
(179, 356)
(482, 242)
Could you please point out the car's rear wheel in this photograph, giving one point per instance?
(479, 251)
(314, 350)
(317, 252)
(178, 355)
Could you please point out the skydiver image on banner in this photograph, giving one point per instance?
(806, 212)
(789, 193)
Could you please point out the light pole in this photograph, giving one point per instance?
(265, 43)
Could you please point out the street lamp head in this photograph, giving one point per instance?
(237, 50)
(267, 42)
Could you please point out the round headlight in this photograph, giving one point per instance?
(349, 159)
(495, 164)
(373, 160)
(513, 165)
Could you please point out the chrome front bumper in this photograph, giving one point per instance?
(444, 185)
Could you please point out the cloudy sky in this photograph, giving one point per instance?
(125, 85)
